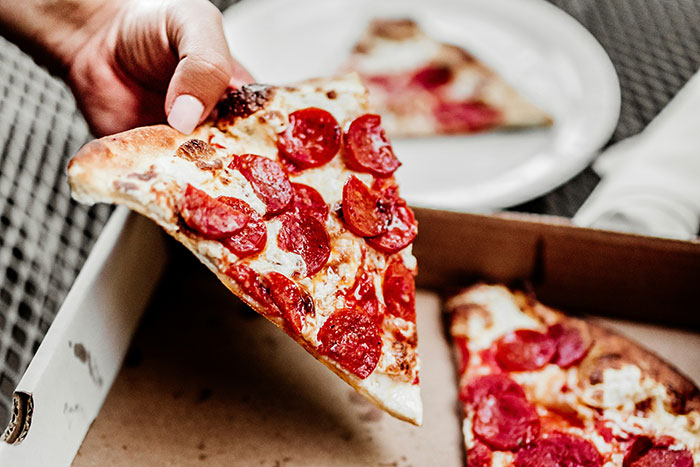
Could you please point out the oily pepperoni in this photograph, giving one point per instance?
(366, 212)
(254, 285)
(364, 295)
(307, 201)
(311, 139)
(491, 385)
(294, 301)
(268, 179)
(399, 290)
(209, 217)
(559, 449)
(571, 345)
(468, 116)
(657, 457)
(524, 350)
(432, 77)
(307, 237)
(479, 455)
(366, 148)
(506, 422)
(462, 349)
(401, 232)
(250, 239)
(351, 338)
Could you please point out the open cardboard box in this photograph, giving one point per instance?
(208, 382)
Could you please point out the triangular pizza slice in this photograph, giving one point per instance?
(423, 87)
(288, 196)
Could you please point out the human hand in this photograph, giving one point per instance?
(132, 63)
(149, 59)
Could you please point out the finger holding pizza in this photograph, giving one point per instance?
(130, 63)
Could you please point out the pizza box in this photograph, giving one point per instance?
(208, 382)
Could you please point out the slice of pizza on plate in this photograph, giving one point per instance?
(288, 196)
(424, 87)
(540, 388)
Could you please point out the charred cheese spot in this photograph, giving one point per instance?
(195, 150)
(241, 103)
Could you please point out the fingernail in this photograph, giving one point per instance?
(185, 113)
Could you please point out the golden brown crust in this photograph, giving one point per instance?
(610, 350)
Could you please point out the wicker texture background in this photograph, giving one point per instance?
(45, 237)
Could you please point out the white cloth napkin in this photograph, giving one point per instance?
(651, 182)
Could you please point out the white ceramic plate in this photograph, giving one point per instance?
(536, 47)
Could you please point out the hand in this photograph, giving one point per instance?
(133, 62)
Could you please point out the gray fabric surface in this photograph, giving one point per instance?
(45, 237)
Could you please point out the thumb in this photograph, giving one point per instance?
(205, 65)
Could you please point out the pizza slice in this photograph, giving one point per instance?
(288, 196)
(540, 388)
(423, 87)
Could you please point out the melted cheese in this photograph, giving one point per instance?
(505, 317)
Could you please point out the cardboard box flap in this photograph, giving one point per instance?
(580, 270)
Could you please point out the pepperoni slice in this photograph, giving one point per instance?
(366, 148)
(479, 455)
(250, 239)
(294, 301)
(657, 457)
(351, 338)
(399, 290)
(432, 77)
(559, 449)
(490, 385)
(306, 237)
(210, 218)
(468, 116)
(311, 139)
(268, 179)
(571, 345)
(254, 285)
(364, 295)
(524, 350)
(506, 422)
(401, 232)
(309, 202)
(366, 213)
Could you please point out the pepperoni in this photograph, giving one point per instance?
(490, 385)
(524, 350)
(209, 217)
(479, 455)
(311, 139)
(457, 117)
(571, 345)
(351, 338)
(366, 148)
(462, 350)
(255, 286)
(309, 202)
(399, 290)
(268, 179)
(306, 237)
(365, 212)
(364, 295)
(293, 300)
(401, 232)
(506, 422)
(432, 76)
(250, 239)
(657, 457)
(559, 449)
